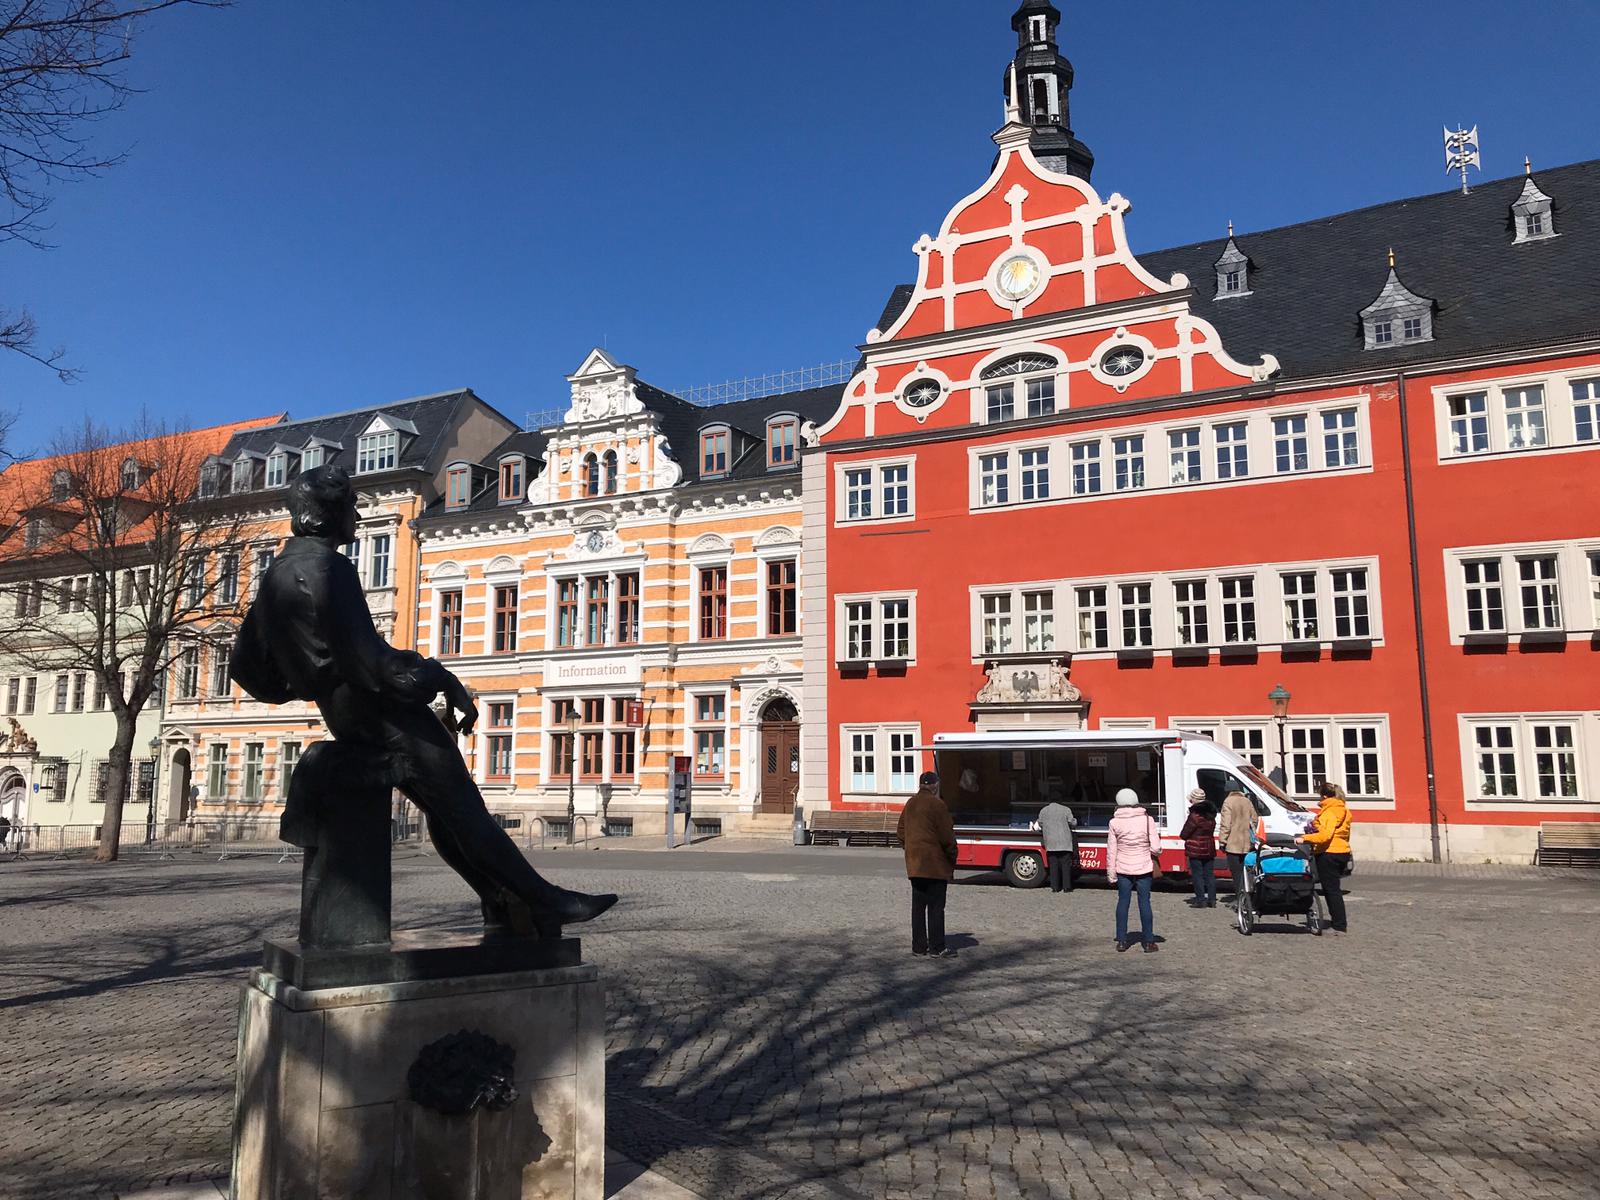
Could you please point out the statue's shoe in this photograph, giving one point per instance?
(569, 908)
(556, 907)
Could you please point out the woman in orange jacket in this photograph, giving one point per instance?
(1328, 836)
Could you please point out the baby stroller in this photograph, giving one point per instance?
(1280, 880)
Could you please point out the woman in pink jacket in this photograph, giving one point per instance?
(1131, 849)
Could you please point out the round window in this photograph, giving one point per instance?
(922, 392)
(1122, 360)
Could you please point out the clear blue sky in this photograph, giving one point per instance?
(330, 205)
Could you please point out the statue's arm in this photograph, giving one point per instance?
(364, 658)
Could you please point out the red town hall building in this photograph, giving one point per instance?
(1356, 458)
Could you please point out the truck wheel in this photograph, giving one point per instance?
(1024, 869)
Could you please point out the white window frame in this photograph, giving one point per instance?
(1525, 754)
(277, 469)
(377, 451)
(877, 487)
(1563, 393)
(1575, 584)
(877, 657)
(883, 779)
(1255, 739)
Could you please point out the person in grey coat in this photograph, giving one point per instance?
(1056, 824)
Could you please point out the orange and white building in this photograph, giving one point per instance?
(637, 565)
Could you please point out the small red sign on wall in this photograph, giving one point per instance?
(635, 713)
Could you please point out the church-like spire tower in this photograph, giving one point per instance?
(1043, 79)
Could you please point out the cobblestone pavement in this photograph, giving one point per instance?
(770, 1036)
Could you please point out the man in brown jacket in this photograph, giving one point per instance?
(929, 837)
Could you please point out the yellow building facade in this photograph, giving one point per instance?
(621, 591)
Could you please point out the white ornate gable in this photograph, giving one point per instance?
(602, 389)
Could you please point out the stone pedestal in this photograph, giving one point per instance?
(324, 1109)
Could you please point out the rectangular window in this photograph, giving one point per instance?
(566, 613)
(1085, 468)
(1308, 758)
(1138, 622)
(254, 758)
(243, 469)
(783, 442)
(1299, 606)
(1382, 333)
(1555, 761)
(1127, 458)
(62, 684)
(1238, 609)
(1351, 618)
(228, 579)
(30, 694)
(1290, 447)
(902, 760)
(264, 561)
(858, 629)
(217, 772)
(1360, 760)
(288, 760)
(1038, 621)
(1041, 397)
(997, 623)
(196, 582)
(1496, 750)
(505, 619)
(1469, 423)
(458, 487)
(1594, 588)
(377, 452)
(895, 480)
(1586, 409)
(863, 760)
(710, 737)
(714, 452)
(1035, 464)
(1411, 328)
(1525, 425)
(896, 615)
(1000, 402)
(596, 610)
(1340, 443)
(994, 478)
(80, 686)
(858, 494)
(1485, 598)
(1233, 451)
(378, 563)
(352, 551)
(310, 458)
(591, 754)
(1541, 592)
(100, 698)
(277, 470)
(783, 614)
(189, 673)
(624, 753)
(1184, 445)
(13, 694)
(1093, 627)
(502, 717)
(1249, 743)
(713, 603)
(627, 609)
(221, 654)
(450, 617)
(1194, 628)
(510, 480)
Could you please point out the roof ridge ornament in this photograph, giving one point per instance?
(1460, 152)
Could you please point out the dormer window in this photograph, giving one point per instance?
(277, 469)
(60, 486)
(1533, 214)
(130, 474)
(714, 446)
(1233, 270)
(458, 486)
(243, 474)
(310, 458)
(783, 441)
(211, 479)
(1397, 317)
(377, 451)
(591, 475)
(510, 480)
(608, 465)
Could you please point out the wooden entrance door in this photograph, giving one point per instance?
(780, 758)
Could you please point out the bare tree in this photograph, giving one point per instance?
(115, 561)
(61, 70)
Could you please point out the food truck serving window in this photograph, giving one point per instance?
(1006, 786)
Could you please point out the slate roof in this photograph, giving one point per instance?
(431, 415)
(1310, 281)
(681, 423)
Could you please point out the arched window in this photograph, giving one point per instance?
(1021, 386)
(591, 475)
(714, 451)
(611, 472)
(60, 486)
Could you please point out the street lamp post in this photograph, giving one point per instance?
(1280, 711)
(150, 806)
(573, 723)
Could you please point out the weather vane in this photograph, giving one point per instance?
(1461, 151)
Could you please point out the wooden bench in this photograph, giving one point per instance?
(857, 828)
(1568, 844)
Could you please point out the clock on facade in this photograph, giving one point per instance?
(1017, 277)
(1122, 360)
(922, 393)
(596, 542)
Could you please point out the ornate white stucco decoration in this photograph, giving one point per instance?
(667, 473)
(710, 543)
(633, 455)
(1028, 683)
(602, 389)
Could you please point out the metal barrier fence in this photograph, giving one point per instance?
(221, 837)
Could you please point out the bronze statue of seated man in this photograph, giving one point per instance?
(309, 636)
